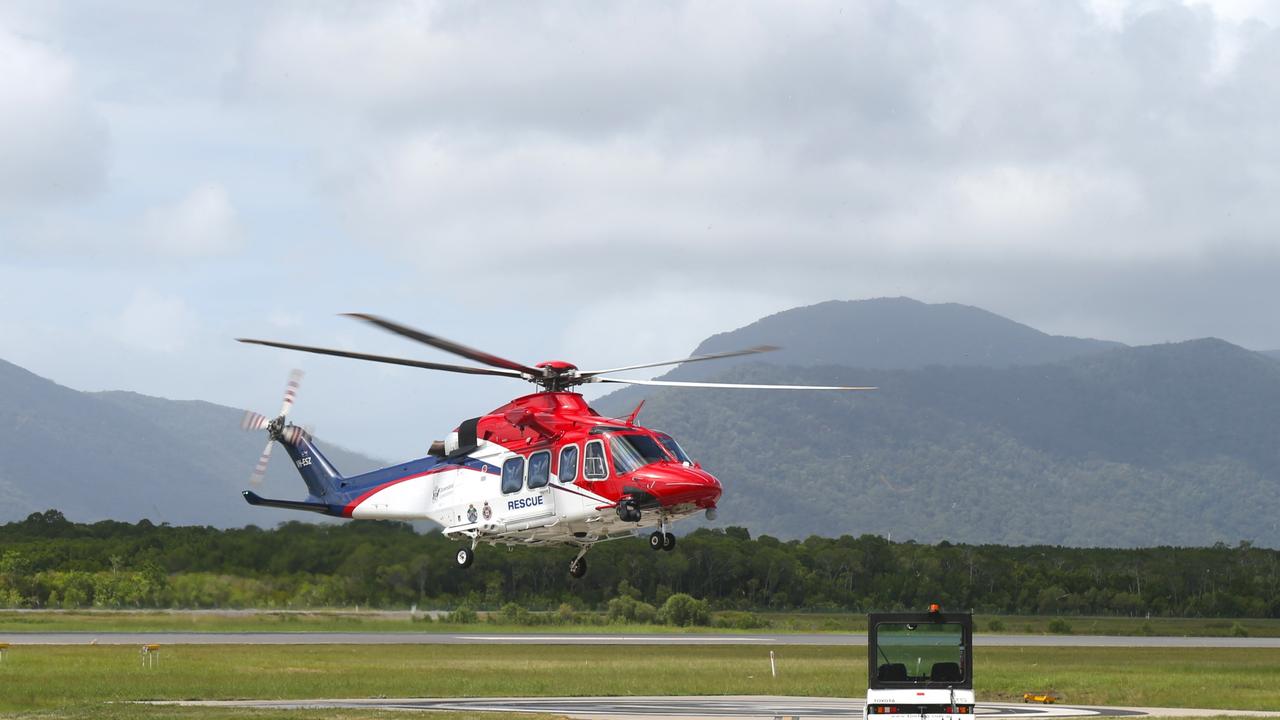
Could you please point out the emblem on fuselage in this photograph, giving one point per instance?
(471, 514)
(488, 511)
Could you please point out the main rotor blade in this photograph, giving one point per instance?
(385, 359)
(734, 386)
(694, 358)
(447, 345)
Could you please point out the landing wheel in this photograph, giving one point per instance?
(668, 542)
(578, 567)
(657, 541)
(465, 557)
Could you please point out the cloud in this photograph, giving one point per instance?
(624, 178)
(790, 146)
(52, 143)
(203, 223)
(152, 322)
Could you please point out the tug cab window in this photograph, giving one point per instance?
(919, 653)
(568, 463)
(513, 475)
(539, 469)
(632, 452)
(593, 462)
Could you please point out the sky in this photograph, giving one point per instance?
(610, 182)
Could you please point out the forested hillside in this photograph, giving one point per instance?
(1170, 444)
(46, 561)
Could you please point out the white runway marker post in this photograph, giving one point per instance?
(773, 666)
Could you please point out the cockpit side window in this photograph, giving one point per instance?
(593, 461)
(539, 469)
(568, 471)
(513, 474)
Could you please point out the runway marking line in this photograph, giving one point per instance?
(611, 638)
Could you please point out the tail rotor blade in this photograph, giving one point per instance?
(260, 471)
(254, 421)
(290, 391)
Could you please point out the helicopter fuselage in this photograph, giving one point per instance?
(545, 468)
(542, 469)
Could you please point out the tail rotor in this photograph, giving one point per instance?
(276, 428)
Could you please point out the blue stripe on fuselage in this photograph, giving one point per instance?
(353, 487)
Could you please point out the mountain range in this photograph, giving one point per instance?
(982, 430)
(125, 456)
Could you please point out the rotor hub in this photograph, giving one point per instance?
(559, 366)
(557, 376)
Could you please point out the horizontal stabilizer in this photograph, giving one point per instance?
(254, 498)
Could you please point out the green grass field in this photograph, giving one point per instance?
(375, 621)
(75, 681)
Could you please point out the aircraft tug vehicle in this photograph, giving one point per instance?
(544, 469)
(920, 666)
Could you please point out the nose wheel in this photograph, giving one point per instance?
(660, 539)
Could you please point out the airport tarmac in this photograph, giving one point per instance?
(483, 638)
(728, 707)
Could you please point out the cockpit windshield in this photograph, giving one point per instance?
(632, 452)
(674, 448)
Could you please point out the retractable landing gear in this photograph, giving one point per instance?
(578, 566)
(660, 539)
(467, 555)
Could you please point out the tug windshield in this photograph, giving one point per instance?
(632, 452)
(918, 653)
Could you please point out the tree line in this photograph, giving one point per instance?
(47, 561)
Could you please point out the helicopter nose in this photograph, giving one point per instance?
(680, 485)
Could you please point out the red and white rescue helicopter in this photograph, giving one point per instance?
(544, 469)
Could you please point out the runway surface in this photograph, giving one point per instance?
(407, 638)
(698, 707)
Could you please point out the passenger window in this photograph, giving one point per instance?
(569, 463)
(539, 469)
(513, 475)
(593, 463)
